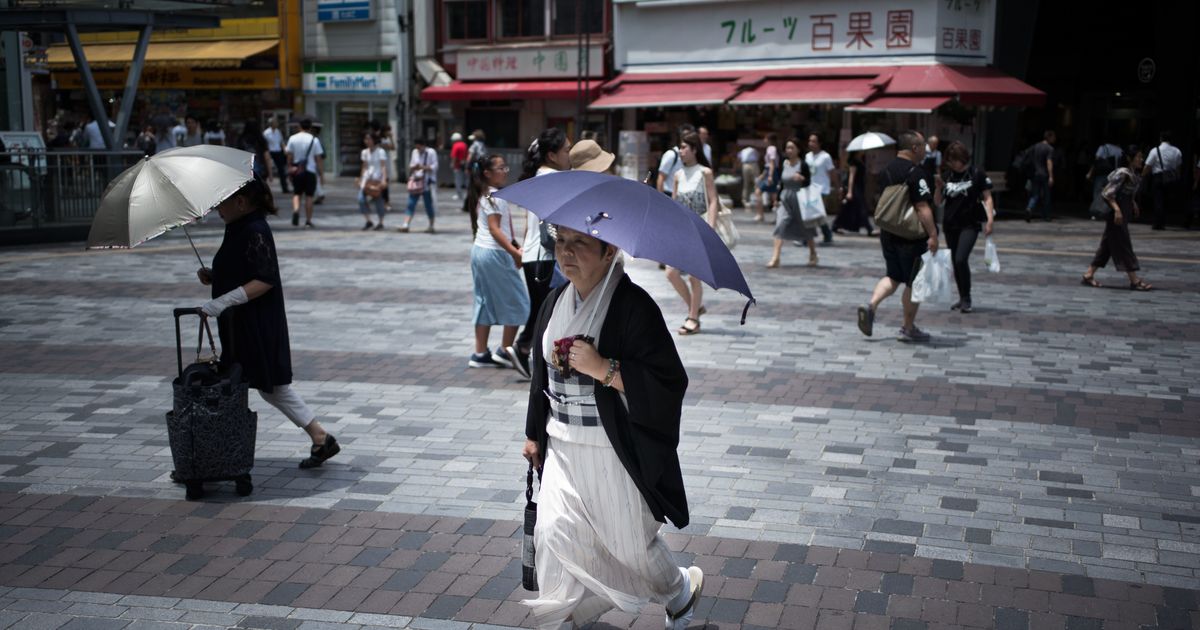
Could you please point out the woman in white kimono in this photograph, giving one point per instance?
(604, 408)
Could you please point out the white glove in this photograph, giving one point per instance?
(213, 307)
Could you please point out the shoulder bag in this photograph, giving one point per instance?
(417, 179)
(299, 167)
(895, 214)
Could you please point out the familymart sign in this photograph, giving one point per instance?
(356, 77)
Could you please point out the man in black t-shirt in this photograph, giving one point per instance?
(903, 256)
(1042, 156)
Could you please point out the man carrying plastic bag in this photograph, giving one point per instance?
(907, 230)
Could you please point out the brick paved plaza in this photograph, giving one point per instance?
(1036, 466)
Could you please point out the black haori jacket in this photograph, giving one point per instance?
(645, 437)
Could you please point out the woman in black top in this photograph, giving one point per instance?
(248, 304)
(967, 194)
(853, 215)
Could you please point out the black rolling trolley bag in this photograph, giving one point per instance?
(210, 427)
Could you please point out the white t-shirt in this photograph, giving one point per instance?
(772, 156)
(274, 139)
(427, 158)
(668, 166)
(214, 137)
(748, 155)
(1108, 151)
(1171, 158)
(531, 247)
(299, 144)
(487, 207)
(373, 159)
(820, 165)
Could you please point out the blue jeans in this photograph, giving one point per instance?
(1039, 194)
(412, 203)
(364, 205)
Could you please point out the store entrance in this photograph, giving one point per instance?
(353, 120)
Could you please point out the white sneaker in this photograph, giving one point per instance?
(680, 620)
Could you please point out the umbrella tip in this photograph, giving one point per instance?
(746, 309)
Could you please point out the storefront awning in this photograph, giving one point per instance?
(507, 90)
(919, 88)
(901, 104)
(970, 85)
(666, 90)
(222, 54)
(779, 91)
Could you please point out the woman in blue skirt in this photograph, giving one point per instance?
(500, 295)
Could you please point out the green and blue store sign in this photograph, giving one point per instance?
(349, 77)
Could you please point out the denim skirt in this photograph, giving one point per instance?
(500, 295)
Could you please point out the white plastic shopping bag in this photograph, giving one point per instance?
(935, 281)
(812, 206)
(989, 256)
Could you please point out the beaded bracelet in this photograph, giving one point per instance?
(613, 366)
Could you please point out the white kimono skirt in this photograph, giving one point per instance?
(597, 543)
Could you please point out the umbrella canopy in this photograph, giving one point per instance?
(634, 217)
(870, 140)
(165, 191)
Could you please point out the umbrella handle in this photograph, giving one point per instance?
(189, 238)
(746, 309)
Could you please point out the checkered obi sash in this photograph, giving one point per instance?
(573, 400)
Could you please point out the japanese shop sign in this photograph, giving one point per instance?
(774, 32)
(543, 62)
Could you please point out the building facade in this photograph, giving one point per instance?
(355, 74)
(511, 68)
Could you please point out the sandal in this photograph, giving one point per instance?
(773, 264)
(1089, 281)
(812, 261)
(684, 330)
(1140, 285)
(321, 453)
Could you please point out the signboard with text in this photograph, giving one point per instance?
(774, 33)
(543, 62)
(343, 10)
(175, 79)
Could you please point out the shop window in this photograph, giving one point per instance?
(521, 18)
(466, 19)
(499, 125)
(565, 14)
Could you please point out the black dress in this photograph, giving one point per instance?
(254, 334)
(853, 215)
(646, 436)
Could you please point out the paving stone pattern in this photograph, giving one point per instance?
(834, 480)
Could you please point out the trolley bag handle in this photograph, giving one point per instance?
(203, 328)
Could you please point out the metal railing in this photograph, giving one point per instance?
(47, 188)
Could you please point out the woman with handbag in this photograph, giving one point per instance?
(422, 178)
(372, 181)
(789, 222)
(500, 297)
(1115, 244)
(695, 190)
(248, 304)
(603, 424)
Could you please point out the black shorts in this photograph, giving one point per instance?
(902, 256)
(305, 183)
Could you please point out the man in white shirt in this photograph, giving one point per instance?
(671, 163)
(274, 138)
(1164, 166)
(824, 178)
(422, 168)
(193, 135)
(748, 160)
(304, 152)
